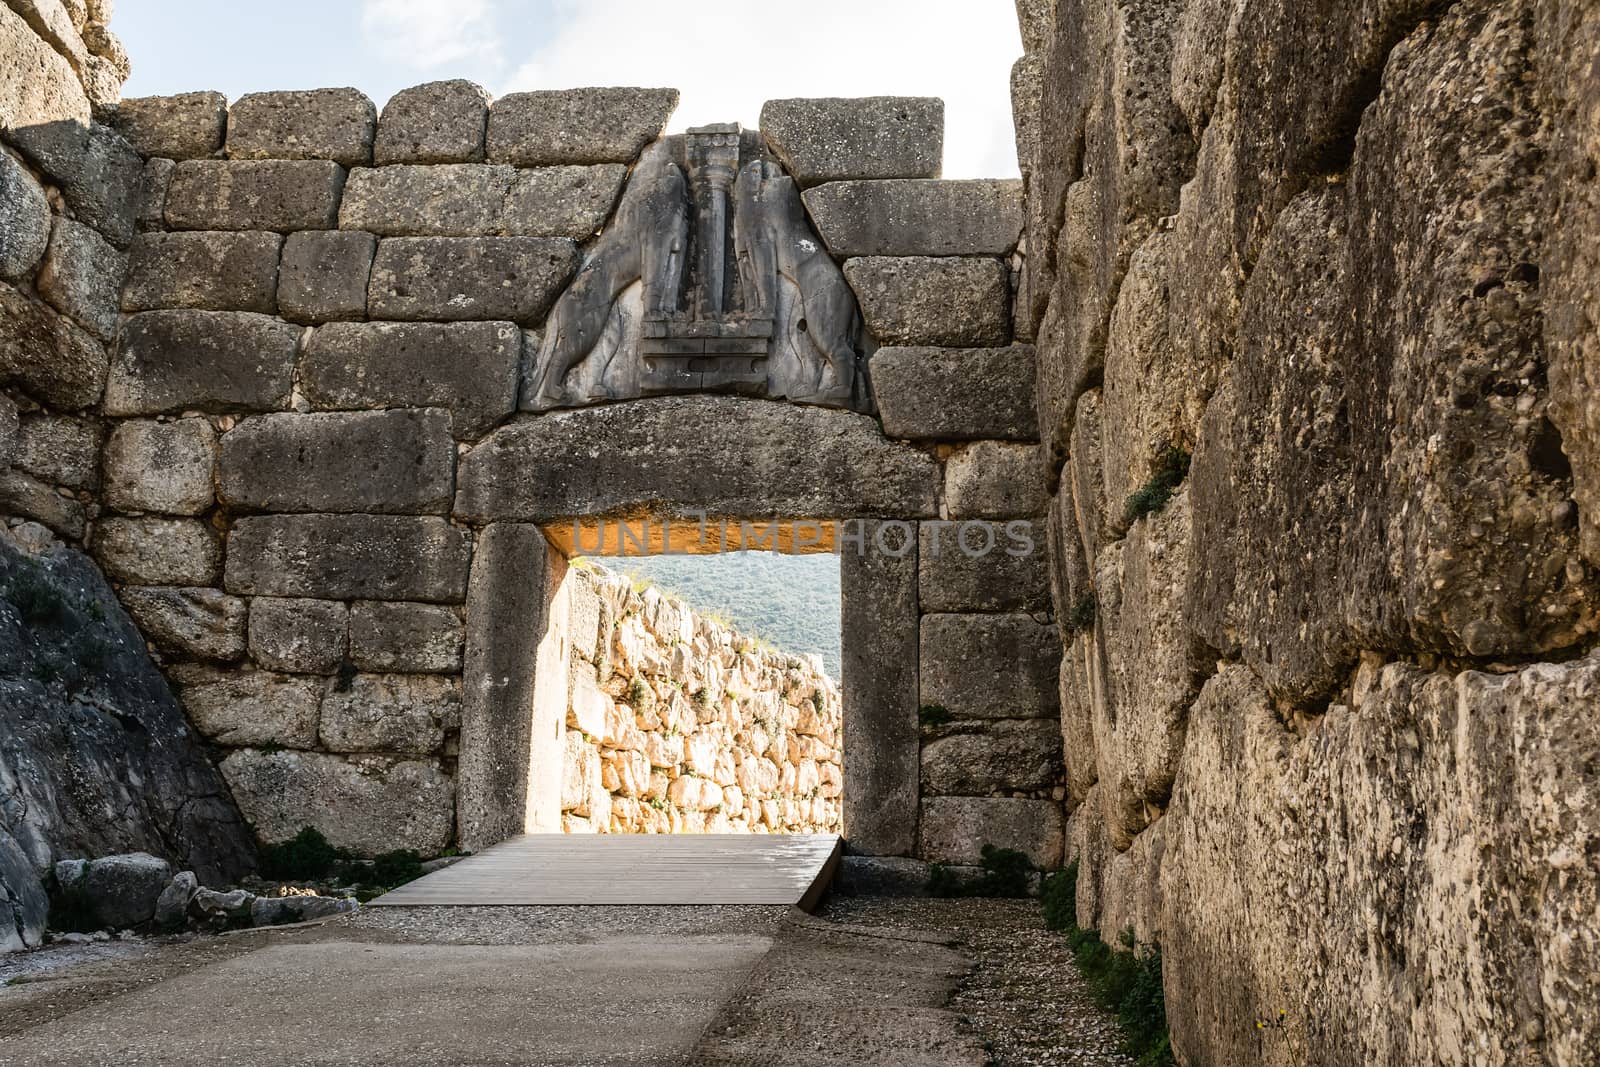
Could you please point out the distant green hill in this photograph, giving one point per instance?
(791, 602)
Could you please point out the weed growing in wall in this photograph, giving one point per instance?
(1171, 468)
(1081, 618)
(1123, 980)
(933, 715)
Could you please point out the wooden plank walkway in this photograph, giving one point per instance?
(569, 869)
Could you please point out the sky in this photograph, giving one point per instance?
(727, 56)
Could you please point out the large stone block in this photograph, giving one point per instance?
(164, 467)
(158, 551)
(1081, 674)
(47, 356)
(369, 806)
(396, 462)
(97, 172)
(451, 200)
(555, 128)
(37, 84)
(189, 623)
(990, 666)
(299, 635)
(347, 557)
(336, 124)
(995, 480)
(955, 829)
(878, 622)
(62, 450)
(405, 638)
(469, 368)
(918, 218)
(205, 270)
(976, 565)
(956, 394)
(24, 220)
(766, 459)
(845, 139)
(455, 279)
(951, 301)
(563, 201)
(26, 497)
(280, 195)
(222, 361)
(440, 122)
(996, 758)
(81, 277)
(238, 708)
(153, 186)
(324, 275)
(186, 126)
(397, 714)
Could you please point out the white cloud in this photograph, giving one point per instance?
(425, 34)
(729, 56)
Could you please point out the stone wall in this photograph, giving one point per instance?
(677, 724)
(308, 467)
(1328, 691)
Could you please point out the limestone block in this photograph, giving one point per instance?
(454, 279)
(1037, 18)
(449, 200)
(563, 201)
(590, 708)
(390, 713)
(348, 557)
(185, 126)
(990, 666)
(9, 428)
(164, 467)
(369, 806)
(695, 794)
(1096, 519)
(153, 186)
(24, 220)
(956, 394)
(766, 459)
(440, 122)
(1027, 100)
(878, 619)
(81, 276)
(123, 890)
(955, 829)
(405, 638)
(97, 172)
(37, 84)
(998, 757)
(983, 566)
(470, 368)
(336, 124)
(1130, 896)
(1081, 673)
(951, 301)
(27, 497)
(299, 635)
(47, 356)
(239, 708)
(995, 480)
(190, 623)
(61, 450)
(205, 270)
(280, 195)
(153, 551)
(393, 462)
(324, 275)
(556, 128)
(223, 361)
(918, 218)
(845, 139)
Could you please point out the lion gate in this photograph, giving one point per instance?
(373, 377)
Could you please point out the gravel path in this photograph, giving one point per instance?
(1024, 998)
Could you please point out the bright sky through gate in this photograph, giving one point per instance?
(727, 56)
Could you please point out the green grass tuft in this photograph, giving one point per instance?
(1006, 874)
(1171, 468)
(1081, 618)
(933, 715)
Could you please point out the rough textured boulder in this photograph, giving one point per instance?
(87, 725)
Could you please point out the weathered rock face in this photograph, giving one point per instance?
(1314, 292)
(88, 726)
(676, 724)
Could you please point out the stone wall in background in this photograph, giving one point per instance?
(312, 421)
(677, 724)
(1314, 297)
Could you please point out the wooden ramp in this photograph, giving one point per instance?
(634, 869)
